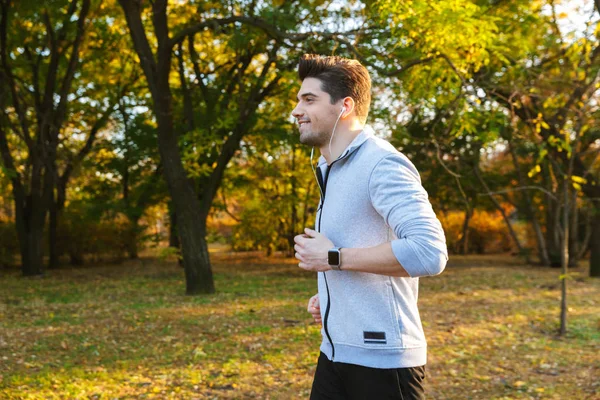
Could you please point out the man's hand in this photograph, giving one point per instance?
(311, 249)
(314, 307)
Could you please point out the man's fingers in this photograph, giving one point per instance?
(317, 303)
(313, 304)
(310, 232)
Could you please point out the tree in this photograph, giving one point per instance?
(108, 74)
(551, 88)
(248, 49)
(513, 56)
(140, 175)
(39, 64)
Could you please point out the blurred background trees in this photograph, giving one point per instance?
(129, 124)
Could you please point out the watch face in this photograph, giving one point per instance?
(334, 257)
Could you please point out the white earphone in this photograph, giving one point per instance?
(330, 140)
(335, 126)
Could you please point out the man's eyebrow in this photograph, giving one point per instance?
(307, 94)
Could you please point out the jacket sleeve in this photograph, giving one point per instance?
(397, 194)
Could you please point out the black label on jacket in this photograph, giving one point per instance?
(374, 337)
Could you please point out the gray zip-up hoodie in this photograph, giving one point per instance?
(372, 194)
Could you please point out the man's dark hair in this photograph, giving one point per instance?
(340, 77)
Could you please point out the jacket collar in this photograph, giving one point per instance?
(362, 137)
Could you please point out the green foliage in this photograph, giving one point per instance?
(454, 82)
(262, 227)
(85, 233)
(495, 78)
(275, 195)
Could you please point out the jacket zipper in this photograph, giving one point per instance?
(323, 184)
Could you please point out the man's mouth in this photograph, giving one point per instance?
(302, 123)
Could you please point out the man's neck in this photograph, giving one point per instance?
(344, 135)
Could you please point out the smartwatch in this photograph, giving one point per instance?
(334, 258)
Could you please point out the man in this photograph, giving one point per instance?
(376, 234)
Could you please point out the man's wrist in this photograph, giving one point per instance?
(334, 258)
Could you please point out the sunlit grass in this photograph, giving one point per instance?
(128, 331)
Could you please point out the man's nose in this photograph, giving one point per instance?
(296, 113)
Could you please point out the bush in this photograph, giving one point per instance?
(81, 234)
(260, 230)
(9, 244)
(488, 232)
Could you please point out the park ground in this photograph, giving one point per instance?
(127, 331)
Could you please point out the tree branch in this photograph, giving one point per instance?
(188, 108)
(194, 58)
(8, 161)
(9, 76)
(233, 141)
(226, 208)
(381, 71)
(35, 70)
(72, 65)
(578, 92)
(141, 44)
(549, 193)
(216, 23)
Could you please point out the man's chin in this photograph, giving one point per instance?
(309, 139)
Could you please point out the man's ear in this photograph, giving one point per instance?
(348, 105)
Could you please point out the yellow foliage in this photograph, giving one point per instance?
(488, 233)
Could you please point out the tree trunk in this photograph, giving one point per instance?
(190, 224)
(595, 244)
(76, 259)
(30, 228)
(57, 205)
(132, 247)
(294, 207)
(174, 241)
(585, 243)
(173, 235)
(551, 209)
(498, 206)
(35, 252)
(463, 244)
(306, 209)
(53, 261)
(574, 232)
(530, 211)
(31, 250)
(564, 255)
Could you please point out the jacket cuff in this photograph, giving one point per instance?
(411, 260)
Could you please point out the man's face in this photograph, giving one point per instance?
(314, 113)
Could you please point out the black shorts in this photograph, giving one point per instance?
(334, 380)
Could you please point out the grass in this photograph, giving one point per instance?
(128, 331)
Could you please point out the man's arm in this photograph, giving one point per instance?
(376, 260)
(397, 194)
(312, 248)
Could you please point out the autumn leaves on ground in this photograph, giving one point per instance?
(127, 331)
